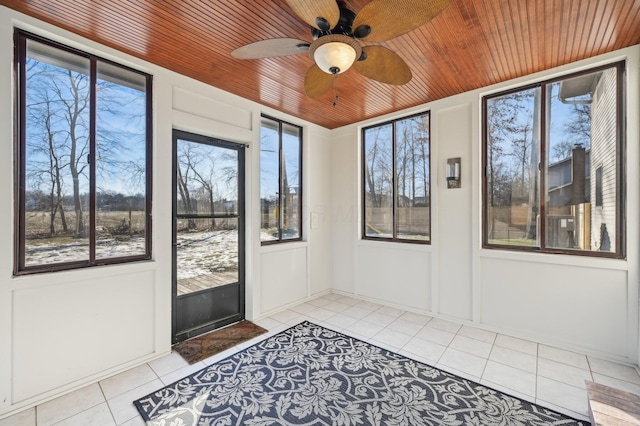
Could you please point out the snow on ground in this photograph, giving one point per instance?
(199, 253)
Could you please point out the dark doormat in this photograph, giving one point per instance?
(201, 347)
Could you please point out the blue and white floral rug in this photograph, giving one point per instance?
(309, 375)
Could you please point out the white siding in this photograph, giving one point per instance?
(603, 154)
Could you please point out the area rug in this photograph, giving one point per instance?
(309, 375)
(198, 348)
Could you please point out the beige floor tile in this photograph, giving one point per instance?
(392, 312)
(405, 326)
(95, 416)
(393, 338)
(477, 333)
(167, 364)
(561, 395)
(435, 335)
(356, 312)
(319, 302)
(23, 418)
(429, 351)
(462, 361)
(471, 346)
(182, 372)
(379, 319)
(513, 358)
(321, 314)
(304, 308)
(444, 325)
(516, 344)
(127, 380)
(341, 321)
(566, 357)
(510, 378)
(69, 405)
(349, 300)
(122, 407)
(286, 316)
(616, 383)
(417, 318)
(505, 390)
(337, 307)
(364, 328)
(267, 323)
(371, 306)
(563, 373)
(612, 369)
(136, 421)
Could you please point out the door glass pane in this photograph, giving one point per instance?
(378, 151)
(269, 180)
(412, 178)
(120, 163)
(290, 182)
(206, 258)
(56, 167)
(513, 156)
(207, 246)
(582, 162)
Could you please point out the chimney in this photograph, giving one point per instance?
(578, 159)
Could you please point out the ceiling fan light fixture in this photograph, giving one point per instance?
(335, 53)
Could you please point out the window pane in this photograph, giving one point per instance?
(290, 182)
(581, 171)
(513, 147)
(269, 180)
(412, 178)
(121, 162)
(56, 168)
(378, 151)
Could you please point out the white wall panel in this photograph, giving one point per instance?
(66, 332)
(454, 238)
(283, 278)
(571, 306)
(395, 273)
(344, 206)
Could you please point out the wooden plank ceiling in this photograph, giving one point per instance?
(473, 43)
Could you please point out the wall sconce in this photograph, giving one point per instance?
(453, 173)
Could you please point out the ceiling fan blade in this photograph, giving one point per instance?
(391, 18)
(317, 82)
(383, 65)
(310, 10)
(271, 48)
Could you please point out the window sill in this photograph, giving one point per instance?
(395, 245)
(269, 248)
(556, 259)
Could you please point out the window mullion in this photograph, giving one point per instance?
(542, 168)
(280, 184)
(394, 182)
(92, 159)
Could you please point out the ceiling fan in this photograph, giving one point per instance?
(336, 33)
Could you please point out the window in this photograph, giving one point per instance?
(280, 181)
(83, 159)
(396, 180)
(553, 155)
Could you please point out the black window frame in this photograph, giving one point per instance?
(20, 42)
(621, 117)
(363, 190)
(280, 239)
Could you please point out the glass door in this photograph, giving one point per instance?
(208, 234)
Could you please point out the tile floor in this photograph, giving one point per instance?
(535, 372)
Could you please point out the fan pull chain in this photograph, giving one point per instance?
(335, 94)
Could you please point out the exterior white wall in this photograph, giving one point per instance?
(583, 304)
(63, 330)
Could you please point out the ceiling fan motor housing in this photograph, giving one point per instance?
(342, 27)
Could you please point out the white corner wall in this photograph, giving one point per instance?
(61, 331)
(583, 304)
